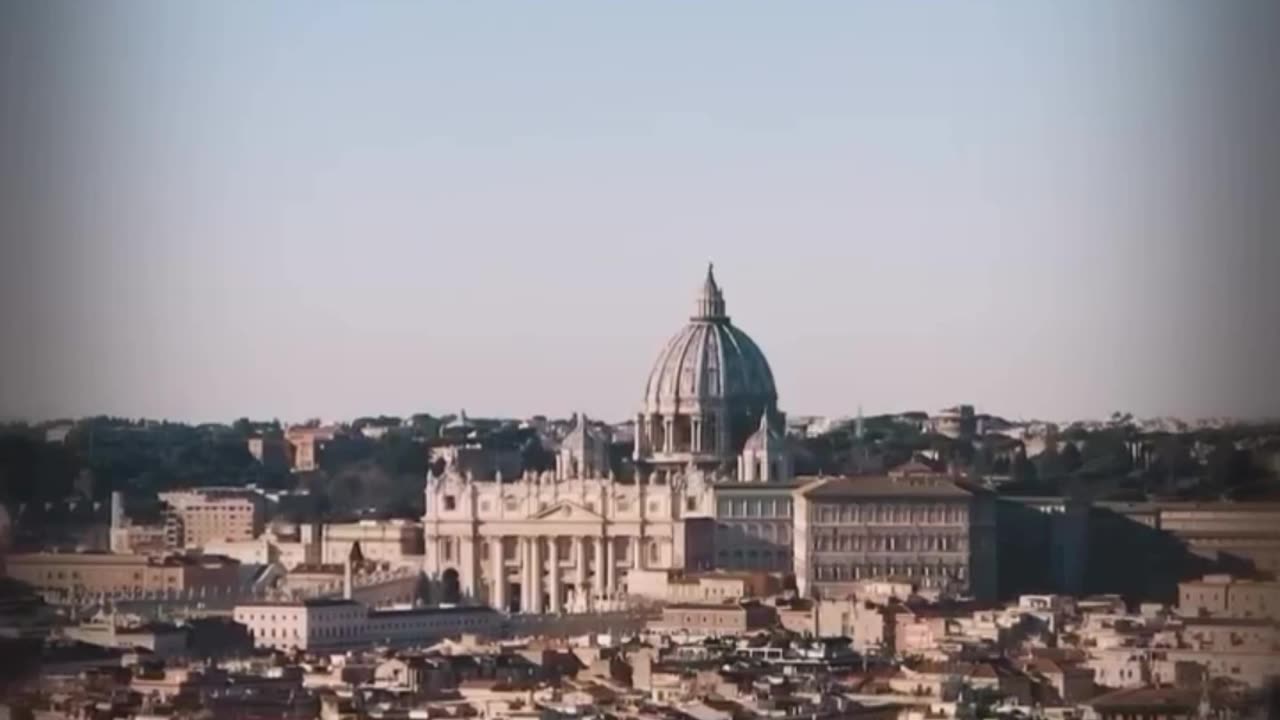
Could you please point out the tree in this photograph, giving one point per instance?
(1069, 458)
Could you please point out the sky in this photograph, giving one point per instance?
(298, 209)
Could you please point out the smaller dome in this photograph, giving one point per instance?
(582, 437)
(765, 438)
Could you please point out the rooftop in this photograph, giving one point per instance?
(885, 486)
(311, 602)
(1148, 698)
(411, 612)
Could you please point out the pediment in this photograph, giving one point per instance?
(568, 511)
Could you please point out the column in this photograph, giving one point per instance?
(470, 568)
(580, 592)
(553, 573)
(597, 559)
(608, 569)
(696, 443)
(498, 598)
(668, 433)
(637, 557)
(526, 575)
(535, 565)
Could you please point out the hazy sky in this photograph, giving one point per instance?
(295, 209)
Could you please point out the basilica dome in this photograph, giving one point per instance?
(708, 388)
(708, 361)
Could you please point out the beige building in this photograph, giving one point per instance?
(927, 530)
(715, 619)
(713, 587)
(259, 551)
(72, 576)
(396, 542)
(709, 428)
(306, 445)
(1231, 635)
(214, 514)
(1227, 597)
(1240, 532)
(300, 448)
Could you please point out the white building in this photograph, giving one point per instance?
(566, 540)
(396, 542)
(337, 623)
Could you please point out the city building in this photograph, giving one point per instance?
(304, 625)
(161, 639)
(1222, 596)
(1241, 533)
(673, 586)
(306, 446)
(203, 515)
(709, 428)
(397, 542)
(715, 619)
(953, 422)
(83, 576)
(320, 624)
(926, 529)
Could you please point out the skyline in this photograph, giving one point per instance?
(1042, 211)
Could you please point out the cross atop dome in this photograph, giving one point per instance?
(710, 300)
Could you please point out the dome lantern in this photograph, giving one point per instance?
(710, 301)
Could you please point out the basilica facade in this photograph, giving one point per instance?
(710, 488)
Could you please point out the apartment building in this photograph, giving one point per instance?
(200, 516)
(927, 530)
